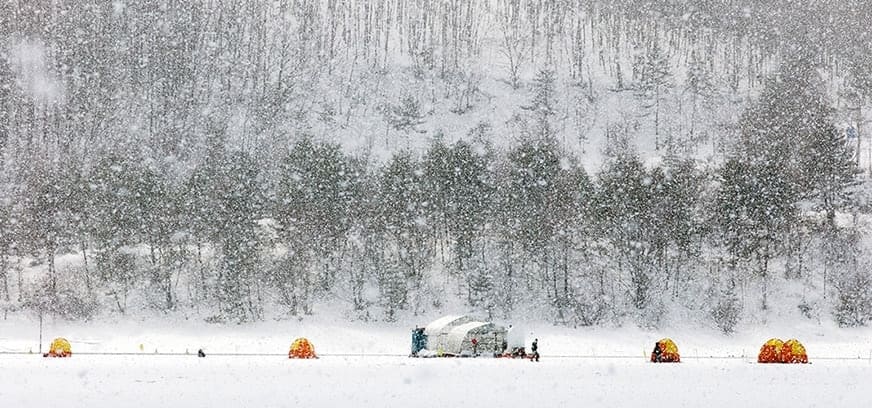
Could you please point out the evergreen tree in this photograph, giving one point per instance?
(201, 194)
(623, 204)
(438, 183)
(116, 221)
(854, 299)
(43, 199)
(239, 244)
(677, 219)
(198, 206)
(526, 199)
(539, 197)
(158, 204)
(728, 309)
(405, 116)
(6, 100)
(403, 213)
(224, 201)
(8, 240)
(791, 151)
(755, 206)
(654, 84)
(852, 282)
(572, 212)
(458, 183)
(829, 172)
(783, 124)
(543, 105)
(116, 213)
(317, 198)
(700, 84)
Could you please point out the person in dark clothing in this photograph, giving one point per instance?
(200, 353)
(657, 354)
(535, 350)
(419, 341)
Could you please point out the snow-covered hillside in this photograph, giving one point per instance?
(584, 163)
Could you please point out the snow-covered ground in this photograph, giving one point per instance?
(225, 381)
(363, 365)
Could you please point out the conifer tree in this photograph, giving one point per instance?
(654, 84)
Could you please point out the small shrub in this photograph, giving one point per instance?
(854, 300)
(61, 301)
(727, 311)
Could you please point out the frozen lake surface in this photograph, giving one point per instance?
(96, 381)
(585, 367)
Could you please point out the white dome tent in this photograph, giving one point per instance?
(489, 337)
(437, 331)
(452, 336)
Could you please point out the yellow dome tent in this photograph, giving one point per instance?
(793, 352)
(665, 351)
(302, 348)
(60, 347)
(771, 351)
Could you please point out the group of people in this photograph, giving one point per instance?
(534, 349)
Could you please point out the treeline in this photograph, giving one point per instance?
(516, 230)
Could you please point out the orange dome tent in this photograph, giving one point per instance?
(60, 347)
(302, 348)
(793, 352)
(771, 351)
(665, 351)
(776, 351)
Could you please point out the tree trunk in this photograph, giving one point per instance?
(765, 275)
(86, 273)
(4, 262)
(53, 281)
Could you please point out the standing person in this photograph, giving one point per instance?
(474, 346)
(535, 350)
(419, 341)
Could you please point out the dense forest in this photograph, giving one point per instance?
(585, 162)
